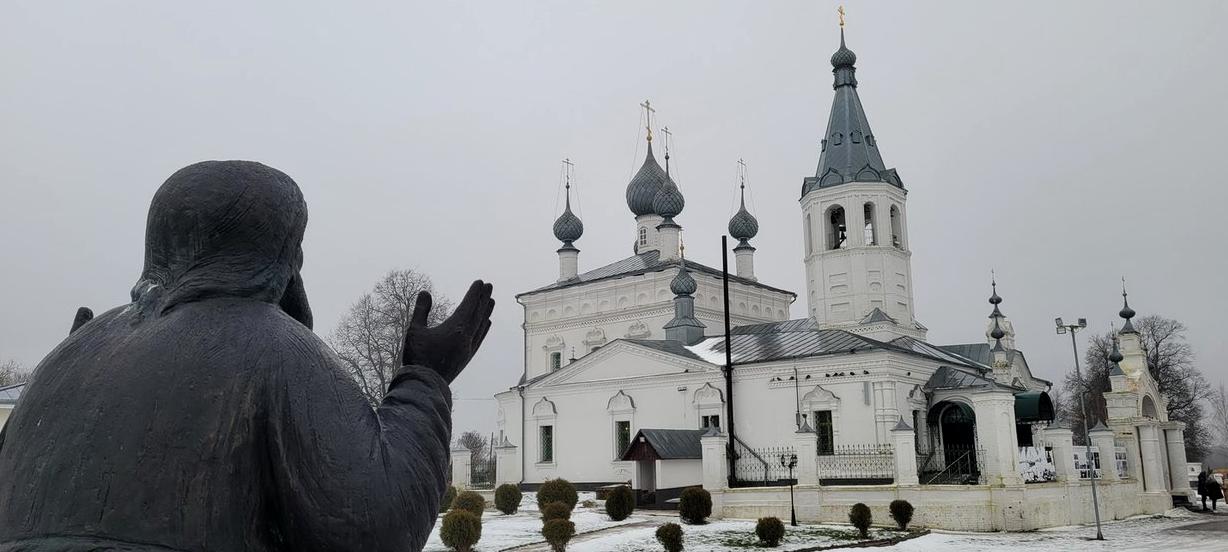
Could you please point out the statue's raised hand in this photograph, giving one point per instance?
(447, 348)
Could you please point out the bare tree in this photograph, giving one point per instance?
(1171, 363)
(475, 442)
(11, 373)
(1219, 414)
(370, 337)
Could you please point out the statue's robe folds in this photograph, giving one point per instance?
(204, 416)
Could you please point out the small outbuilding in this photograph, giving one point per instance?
(667, 461)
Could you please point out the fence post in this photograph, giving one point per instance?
(1062, 441)
(713, 446)
(461, 464)
(995, 432)
(904, 441)
(507, 468)
(1102, 439)
(807, 470)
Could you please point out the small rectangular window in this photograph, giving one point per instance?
(825, 433)
(547, 443)
(622, 438)
(556, 361)
(710, 421)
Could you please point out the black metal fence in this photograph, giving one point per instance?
(762, 467)
(482, 472)
(951, 465)
(857, 465)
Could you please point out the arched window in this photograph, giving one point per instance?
(1149, 408)
(836, 238)
(897, 233)
(871, 229)
(809, 234)
(643, 235)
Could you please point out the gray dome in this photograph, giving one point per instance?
(683, 283)
(1115, 355)
(743, 226)
(843, 57)
(644, 186)
(568, 227)
(669, 201)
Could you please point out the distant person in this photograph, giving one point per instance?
(1215, 491)
(1202, 488)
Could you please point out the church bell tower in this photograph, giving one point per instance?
(854, 216)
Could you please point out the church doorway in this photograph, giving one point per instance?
(955, 458)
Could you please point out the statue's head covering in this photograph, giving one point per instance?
(224, 229)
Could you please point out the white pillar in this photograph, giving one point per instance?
(1062, 441)
(995, 431)
(507, 464)
(904, 441)
(807, 470)
(744, 257)
(569, 263)
(714, 446)
(1103, 439)
(1176, 457)
(1153, 467)
(670, 244)
(461, 459)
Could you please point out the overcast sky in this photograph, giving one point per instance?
(1064, 144)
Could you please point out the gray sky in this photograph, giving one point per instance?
(1064, 144)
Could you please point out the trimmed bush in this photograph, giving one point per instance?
(507, 498)
(446, 502)
(695, 505)
(770, 530)
(620, 503)
(471, 502)
(557, 490)
(558, 532)
(555, 510)
(861, 518)
(901, 512)
(670, 537)
(460, 530)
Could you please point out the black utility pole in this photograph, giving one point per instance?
(1087, 439)
(729, 452)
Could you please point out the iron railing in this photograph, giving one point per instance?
(1085, 469)
(857, 465)
(1036, 465)
(482, 472)
(761, 467)
(950, 465)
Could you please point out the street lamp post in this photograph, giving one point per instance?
(790, 461)
(1087, 440)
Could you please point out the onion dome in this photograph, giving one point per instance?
(1126, 312)
(843, 57)
(743, 226)
(683, 283)
(669, 201)
(1115, 355)
(643, 188)
(568, 227)
(995, 300)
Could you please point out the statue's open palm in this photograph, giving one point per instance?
(448, 347)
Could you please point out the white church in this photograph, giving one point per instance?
(625, 373)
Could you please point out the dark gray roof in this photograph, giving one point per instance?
(849, 149)
(10, 394)
(946, 377)
(877, 315)
(981, 353)
(649, 261)
(674, 444)
(666, 346)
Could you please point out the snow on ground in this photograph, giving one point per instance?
(724, 536)
(500, 532)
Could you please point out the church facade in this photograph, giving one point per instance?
(626, 378)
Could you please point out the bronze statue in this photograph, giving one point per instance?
(206, 415)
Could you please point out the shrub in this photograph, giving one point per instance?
(557, 490)
(670, 537)
(507, 498)
(460, 530)
(446, 502)
(861, 518)
(901, 512)
(620, 503)
(555, 510)
(770, 530)
(470, 502)
(558, 532)
(695, 505)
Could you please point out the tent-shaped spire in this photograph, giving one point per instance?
(849, 148)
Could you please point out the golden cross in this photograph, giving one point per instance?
(567, 165)
(742, 172)
(840, 11)
(649, 111)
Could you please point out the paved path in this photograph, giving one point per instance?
(599, 533)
